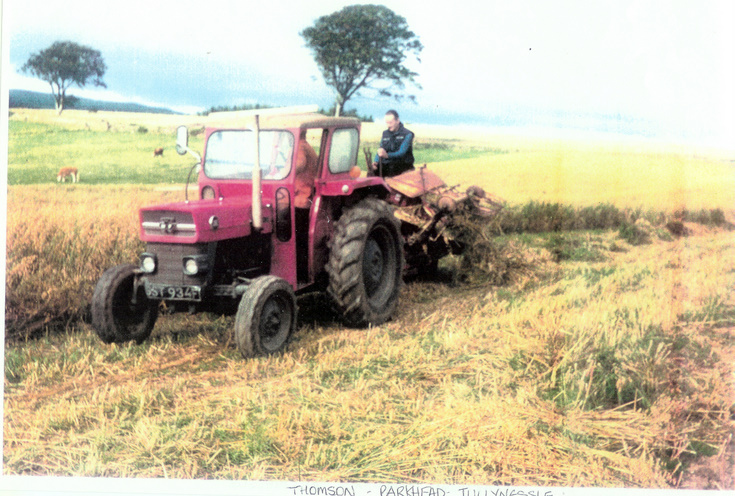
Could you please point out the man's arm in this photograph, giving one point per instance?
(403, 149)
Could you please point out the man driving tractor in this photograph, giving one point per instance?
(395, 155)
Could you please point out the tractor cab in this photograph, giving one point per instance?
(284, 187)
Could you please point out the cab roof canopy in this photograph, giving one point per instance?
(302, 117)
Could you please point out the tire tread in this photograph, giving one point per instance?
(104, 319)
(247, 319)
(344, 266)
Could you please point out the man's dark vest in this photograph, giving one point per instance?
(391, 142)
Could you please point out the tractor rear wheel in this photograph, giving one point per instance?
(114, 315)
(266, 317)
(366, 263)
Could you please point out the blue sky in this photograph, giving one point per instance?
(651, 68)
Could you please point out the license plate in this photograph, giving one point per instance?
(169, 292)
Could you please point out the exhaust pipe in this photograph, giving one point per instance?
(257, 194)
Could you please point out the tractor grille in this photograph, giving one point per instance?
(170, 267)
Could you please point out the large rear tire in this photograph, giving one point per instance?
(114, 316)
(366, 263)
(266, 317)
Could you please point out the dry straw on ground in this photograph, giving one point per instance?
(469, 384)
(611, 367)
(59, 240)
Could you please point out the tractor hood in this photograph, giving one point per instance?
(199, 221)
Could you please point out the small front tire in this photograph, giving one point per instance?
(114, 316)
(266, 317)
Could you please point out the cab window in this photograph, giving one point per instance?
(230, 154)
(343, 152)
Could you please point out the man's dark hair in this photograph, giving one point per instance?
(393, 113)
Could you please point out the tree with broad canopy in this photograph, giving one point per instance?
(361, 46)
(65, 63)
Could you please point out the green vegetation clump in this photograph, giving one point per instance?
(574, 248)
(539, 217)
(636, 233)
(709, 217)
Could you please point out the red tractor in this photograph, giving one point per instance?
(246, 245)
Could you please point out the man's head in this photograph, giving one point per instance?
(392, 120)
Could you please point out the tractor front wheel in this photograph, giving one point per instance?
(114, 315)
(266, 317)
(366, 263)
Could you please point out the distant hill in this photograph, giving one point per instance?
(36, 100)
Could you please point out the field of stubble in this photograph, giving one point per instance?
(602, 357)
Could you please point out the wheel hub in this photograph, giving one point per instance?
(373, 265)
(275, 322)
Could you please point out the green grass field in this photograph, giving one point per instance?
(37, 151)
(570, 173)
(574, 358)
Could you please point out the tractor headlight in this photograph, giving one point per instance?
(148, 263)
(191, 268)
(196, 264)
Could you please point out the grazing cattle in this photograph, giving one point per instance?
(65, 172)
(158, 152)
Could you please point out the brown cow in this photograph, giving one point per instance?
(158, 152)
(70, 172)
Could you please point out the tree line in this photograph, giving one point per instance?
(247, 106)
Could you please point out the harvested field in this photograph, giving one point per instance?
(577, 357)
